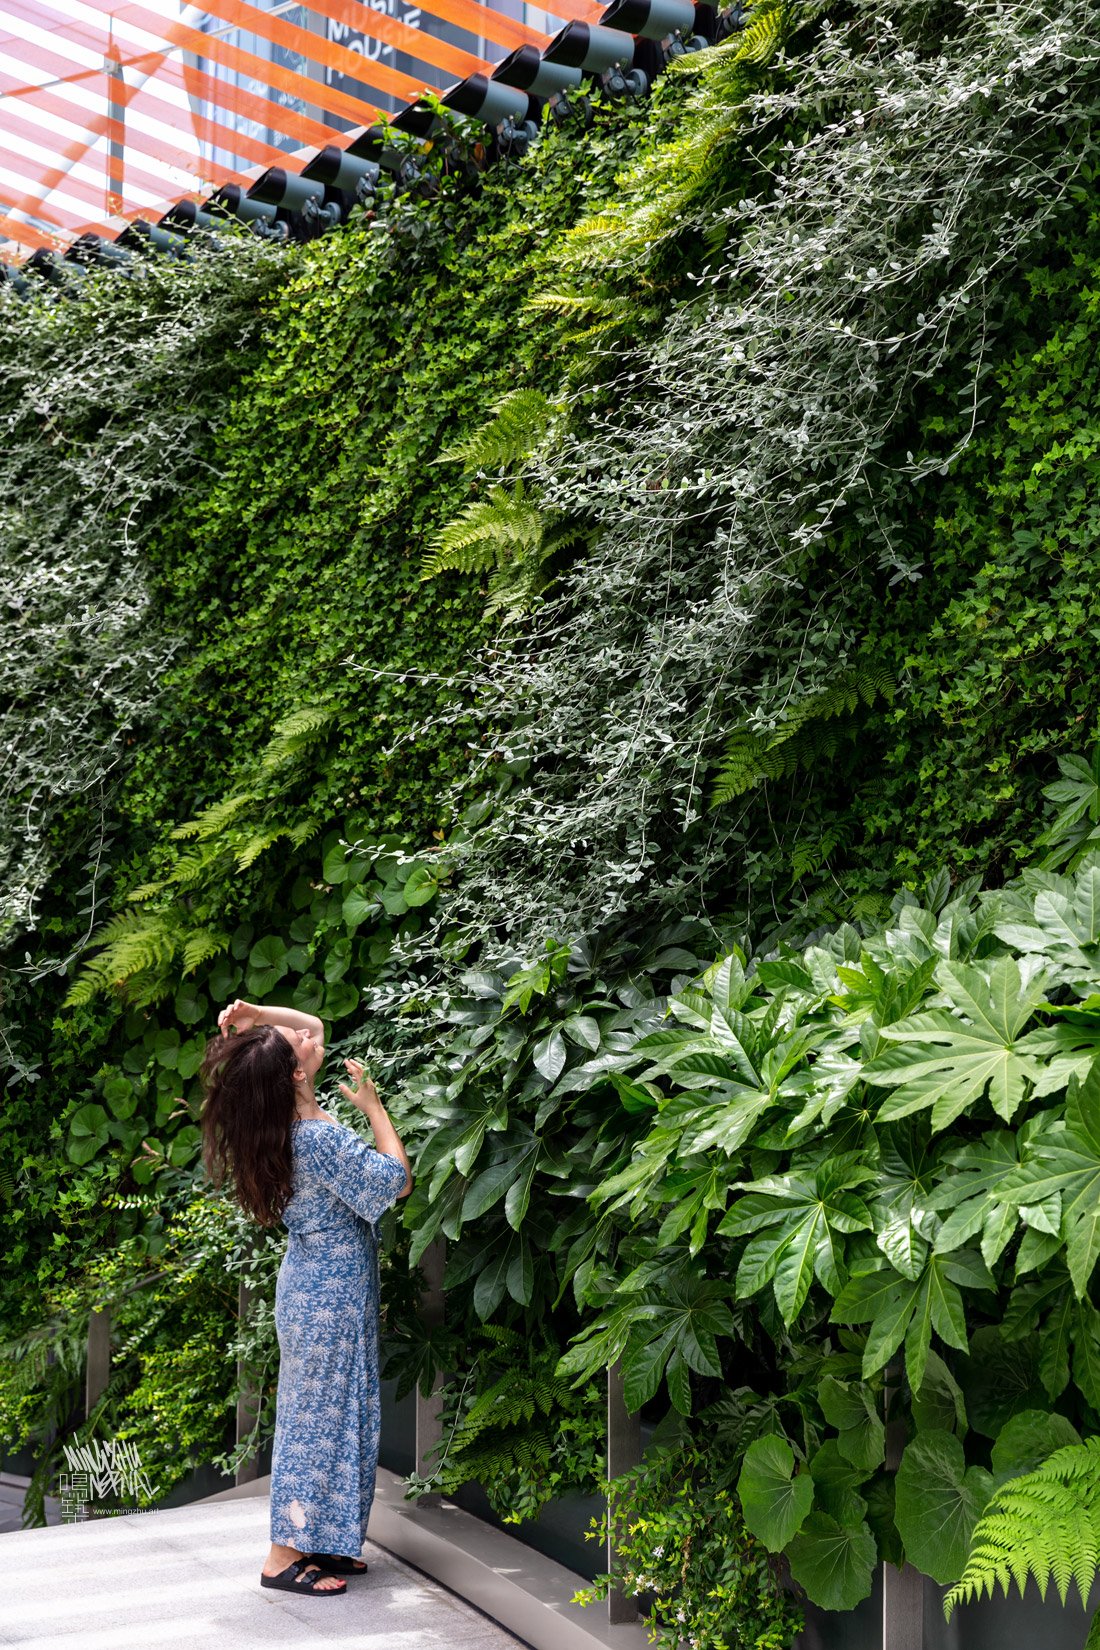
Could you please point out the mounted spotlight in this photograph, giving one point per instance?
(505, 109)
(90, 248)
(730, 22)
(290, 192)
(704, 29)
(60, 272)
(418, 119)
(652, 19)
(143, 236)
(10, 277)
(337, 168)
(185, 216)
(590, 48)
(231, 201)
(490, 101)
(530, 72)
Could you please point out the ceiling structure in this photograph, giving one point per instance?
(112, 110)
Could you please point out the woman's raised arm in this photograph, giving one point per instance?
(243, 1016)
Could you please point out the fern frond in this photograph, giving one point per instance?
(800, 741)
(1044, 1525)
(485, 533)
(295, 734)
(253, 846)
(201, 945)
(131, 944)
(516, 427)
(214, 818)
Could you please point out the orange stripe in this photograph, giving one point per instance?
(12, 126)
(249, 149)
(78, 188)
(247, 104)
(317, 49)
(476, 19)
(210, 47)
(51, 104)
(417, 43)
(272, 74)
(23, 233)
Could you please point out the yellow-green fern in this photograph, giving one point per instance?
(1044, 1524)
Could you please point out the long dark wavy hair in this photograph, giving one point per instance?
(246, 1116)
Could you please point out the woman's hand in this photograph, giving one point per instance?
(240, 1016)
(365, 1097)
(364, 1094)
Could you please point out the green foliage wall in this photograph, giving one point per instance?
(330, 801)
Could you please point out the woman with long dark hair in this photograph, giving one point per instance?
(289, 1161)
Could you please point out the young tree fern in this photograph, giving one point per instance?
(1043, 1524)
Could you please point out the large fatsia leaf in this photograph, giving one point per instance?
(835, 1563)
(910, 1310)
(938, 1501)
(948, 1060)
(1064, 1161)
(798, 1222)
(774, 1498)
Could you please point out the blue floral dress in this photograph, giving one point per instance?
(328, 1409)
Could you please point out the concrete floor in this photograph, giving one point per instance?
(190, 1577)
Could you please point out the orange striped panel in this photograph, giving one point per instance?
(249, 105)
(250, 149)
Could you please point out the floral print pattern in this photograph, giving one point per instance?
(328, 1402)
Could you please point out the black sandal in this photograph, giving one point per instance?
(294, 1580)
(337, 1564)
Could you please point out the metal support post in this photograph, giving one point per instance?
(97, 1363)
(624, 1450)
(902, 1590)
(429, 1422)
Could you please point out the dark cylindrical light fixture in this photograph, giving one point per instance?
(417, 119)
(91, 248)
(288, 190)
(490, 101)
(232, 201)
(186, 215)
(527, 69)
(144, 236)
(652, 19)
(337, 168)
(590, 48)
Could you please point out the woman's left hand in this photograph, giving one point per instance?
(364, 1094)
(239, 1015)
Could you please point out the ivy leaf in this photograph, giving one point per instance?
(774, 1499)
(834, 1563)
(938, 1501)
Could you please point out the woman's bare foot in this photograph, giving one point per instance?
(279, 1557)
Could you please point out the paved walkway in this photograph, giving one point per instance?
(190, 1577)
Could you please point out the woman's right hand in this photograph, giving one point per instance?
(239, 1016)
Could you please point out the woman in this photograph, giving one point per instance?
(291, 1161)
